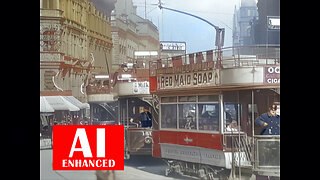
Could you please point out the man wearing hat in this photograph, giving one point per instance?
(146, 118)
(270, 122)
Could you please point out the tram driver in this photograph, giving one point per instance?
(269, 121)
(145, 118)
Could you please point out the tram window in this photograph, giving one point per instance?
(168, 99)
(169, 116)
(208, 98)
(208, 117)
(187, 116)
(231, 116)
(187, 99)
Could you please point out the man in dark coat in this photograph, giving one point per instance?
(270, 122)
(145, 118)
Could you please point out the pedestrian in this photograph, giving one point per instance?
(269, 121)
(145, 118)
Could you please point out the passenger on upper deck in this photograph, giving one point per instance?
(270, 122)
(145, 118)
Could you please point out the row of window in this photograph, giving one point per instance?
(197, 113)
(204, 98)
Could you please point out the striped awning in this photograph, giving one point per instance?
(45, 107)
(60, 103)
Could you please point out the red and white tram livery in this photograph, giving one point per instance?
(207, 110)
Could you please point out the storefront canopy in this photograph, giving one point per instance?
(45, 107)
(60, 103)
(86, 105)
(75, 102)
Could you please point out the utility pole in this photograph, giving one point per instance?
(145, 9)
(219, 31)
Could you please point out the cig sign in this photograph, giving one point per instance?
(272, 75)
(88, 147)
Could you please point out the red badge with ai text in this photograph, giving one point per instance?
(88, 147)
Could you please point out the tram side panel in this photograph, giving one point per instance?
(202, 148)
(156, 150)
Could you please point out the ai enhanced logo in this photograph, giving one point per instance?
(88, 147)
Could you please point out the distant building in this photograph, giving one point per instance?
(263, 30)
(130, 33)
(257, 23)
(242, 23)
(104, 6)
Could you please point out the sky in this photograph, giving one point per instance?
(198, 35)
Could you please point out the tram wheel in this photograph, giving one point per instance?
(208, 173)
(213, 174)
(168, 171)
(174, 167)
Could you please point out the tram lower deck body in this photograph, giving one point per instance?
(194, 153)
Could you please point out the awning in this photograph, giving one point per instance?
(87, 105)
(60, 103)
(45, 107)
(75, 102)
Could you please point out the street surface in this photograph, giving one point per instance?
(136, 168)
(46, 172)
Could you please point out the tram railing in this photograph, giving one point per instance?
(232, 57)
(263, 155)
(242, 144)
(240, 147)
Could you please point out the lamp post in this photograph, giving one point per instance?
(219, 32)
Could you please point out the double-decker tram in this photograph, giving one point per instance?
(207, 112)
(132, 87)
(119, 97)
(138, 139)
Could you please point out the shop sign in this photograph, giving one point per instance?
(272, 75)
(172, 46)
(189, 80)
(273, 22)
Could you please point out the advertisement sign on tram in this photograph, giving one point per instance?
(272, 75)
(193, 79)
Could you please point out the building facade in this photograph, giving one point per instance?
(257, 23)
(130, 33)
(262, 32)
(75, 42)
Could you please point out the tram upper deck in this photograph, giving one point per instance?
(241, 67)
